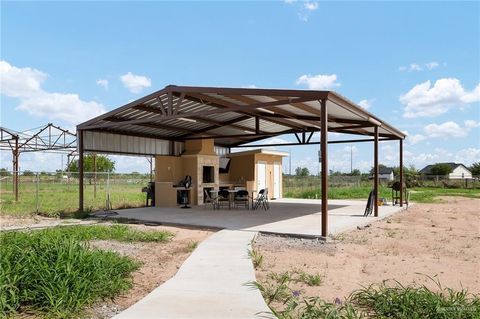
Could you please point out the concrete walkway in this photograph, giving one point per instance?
(209, 284)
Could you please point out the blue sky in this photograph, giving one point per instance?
(414, 64)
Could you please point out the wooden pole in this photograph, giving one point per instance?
(80, 170)
(401, 172)
(324, 159)
(375, 172)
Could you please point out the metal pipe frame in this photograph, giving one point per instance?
(375, 172)
(324, 159)
(80, 170)
(401, 171)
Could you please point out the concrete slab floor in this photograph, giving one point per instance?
(298, 217)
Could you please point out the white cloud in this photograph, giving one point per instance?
(135, 83)
(465, 156)
(319, 81)
(310, 6)
(427, 100)
(307, 8)
(415, 139)
(432, 65)
(103, 83)
(25, 84)
(418, 67)
(471, 124)
(415, 67)
(366, 104)
(446, 130)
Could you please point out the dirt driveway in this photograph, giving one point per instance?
(437, 240)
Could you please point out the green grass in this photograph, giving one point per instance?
(56, 199)
(405, 302)
(376, 301)
(421, 195)
(59, 199)
(54, 273)
(256, 256)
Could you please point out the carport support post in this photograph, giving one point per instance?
(401, 172)
(80, 171)
(324, 157)
(15, 169)
(375, 172)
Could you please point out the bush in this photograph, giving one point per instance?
(375, 301)
(400, 302)
(56, 273)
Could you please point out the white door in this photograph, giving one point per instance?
(261, 175)
(277, 174)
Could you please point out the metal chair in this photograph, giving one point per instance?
(261, 200)
(241, 198)
(209, 199)
(222, 198)
(396, 189)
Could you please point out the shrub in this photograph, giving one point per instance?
(405, 302)
(56, 273)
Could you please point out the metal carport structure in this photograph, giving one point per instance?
(159, 123)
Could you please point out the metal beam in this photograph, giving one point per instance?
(225, 109)
(401, 171)
(324, 160)
(80, 171)
(375, 172)
(312, 143)
(246, 109)
(16, 166)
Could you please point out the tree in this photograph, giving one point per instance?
(302, 172)
(475, 169)
(28, 173)
(356, 172)
(441, 169)
(380, 166)
(4, 172)
(410, 175)
(103, 165)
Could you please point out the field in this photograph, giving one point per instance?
(418, 194)
(58, 198)
(55, 197)
(420, 263)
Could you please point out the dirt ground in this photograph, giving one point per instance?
(438, 240)
(160, 263)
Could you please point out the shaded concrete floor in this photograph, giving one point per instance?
(300, 217)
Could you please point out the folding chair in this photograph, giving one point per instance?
(209, 199)
(241, 198)
(260, 201)
(222, 198)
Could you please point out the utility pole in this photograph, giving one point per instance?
(290, 162)
(351, 159)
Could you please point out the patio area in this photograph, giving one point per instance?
(294, 217)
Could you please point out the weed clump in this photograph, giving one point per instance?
(54, 272)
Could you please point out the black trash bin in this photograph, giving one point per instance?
(150, 193)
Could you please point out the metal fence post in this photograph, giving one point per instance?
(36, 192)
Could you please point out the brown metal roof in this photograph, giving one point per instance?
(235, 116)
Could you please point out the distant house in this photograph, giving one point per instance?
(459, 171)
(386, 173)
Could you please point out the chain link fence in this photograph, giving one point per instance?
(54, 194)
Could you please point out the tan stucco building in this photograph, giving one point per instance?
(252, 170)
